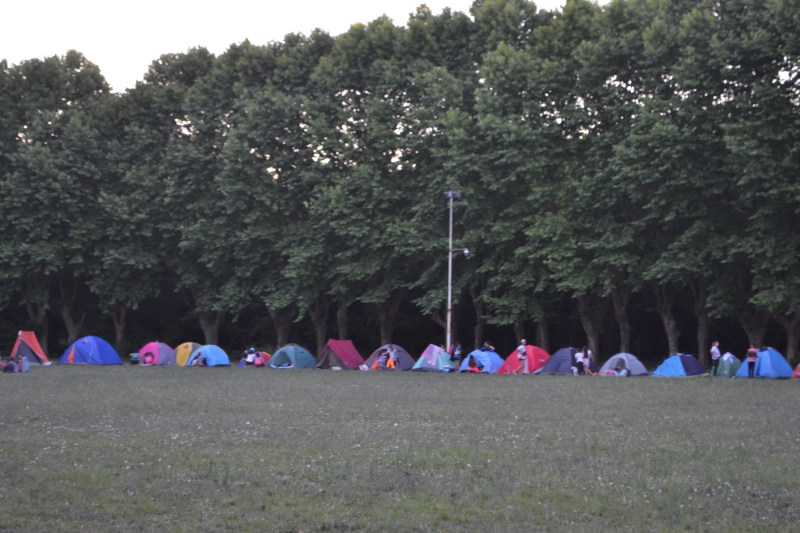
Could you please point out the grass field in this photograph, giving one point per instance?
(174, 449)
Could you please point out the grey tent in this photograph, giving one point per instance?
(560, 362)
(404, 360)
(625, 360)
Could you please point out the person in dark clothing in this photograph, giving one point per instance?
(752, 355)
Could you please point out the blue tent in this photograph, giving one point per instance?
(769, 364)
(213, 354)
(90, 351)
(489, 360)
(294, 356)
(679, 366)
(560, 362)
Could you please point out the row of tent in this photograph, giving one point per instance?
(343, 355)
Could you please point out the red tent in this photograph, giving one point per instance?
(27, 345)
(341, 354)
(796, 373)
(536, 359)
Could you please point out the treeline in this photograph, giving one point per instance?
(639, 159)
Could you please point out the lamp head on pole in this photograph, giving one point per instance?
(455, 195)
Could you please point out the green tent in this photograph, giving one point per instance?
(292, 356)
(728, 366)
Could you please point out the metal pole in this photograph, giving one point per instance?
(449, 278)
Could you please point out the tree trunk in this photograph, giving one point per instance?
(68, 295)
(119, 314)
(620, 298)
(341, 321)
(37, 313)
(319, 311)
(755, 325)
(519, 329)
(282, 319)
(792, 326)
(210, 322)
(386, 313)
(543, 334)
(700, 293)
(591, 309)
(665, 299)
(480, 319)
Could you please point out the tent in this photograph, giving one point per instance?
(184, 352)
(27, 345)
(626, 360)
(489, 360)
(214, 355)
(769, 364)
(728, 366)
(90, 351)
(341, 354)
(536, 358)
(679, 366)
(560, 362)
(434, 359)
(293, 355)
(796, 373)
(162, 354)
(403, 360)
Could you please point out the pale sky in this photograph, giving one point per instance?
(123, 38)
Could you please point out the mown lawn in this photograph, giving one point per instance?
(174, 449)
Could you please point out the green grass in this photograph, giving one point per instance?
(174, 449)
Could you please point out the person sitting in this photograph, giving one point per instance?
(382, 361)
(148, 359)
(10, 366)
(473, 365)
(135, 358)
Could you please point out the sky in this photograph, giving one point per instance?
(123, 38)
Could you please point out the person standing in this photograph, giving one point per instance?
(752, 355)
(579, 360)
(522, 355)
(455, 353)
(715, 355)
(487, 347)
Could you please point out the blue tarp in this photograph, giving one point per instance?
(214, 355)
(769, 364)
(679, 366)
(490, 361)
(90, 351)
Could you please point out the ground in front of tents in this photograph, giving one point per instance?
(178, 449)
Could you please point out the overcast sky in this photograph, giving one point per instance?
(123, 38)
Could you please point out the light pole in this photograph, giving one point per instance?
(451, 195)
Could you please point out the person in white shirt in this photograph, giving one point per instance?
(714, 357)
(522, 355)
(579, 360)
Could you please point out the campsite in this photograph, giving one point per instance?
(100, 448)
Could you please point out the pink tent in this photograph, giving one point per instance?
(341, 354)
(162, 354)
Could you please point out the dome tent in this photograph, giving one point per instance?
(404, 361)
(184, 351)
(340, 354)
(293, 356)
(679, 365)
(489, 360)
(214, 356)
(162, 354)
(626, 360)
(728, 366)
(535, 359)
(560, 363)
(770, 364)
(434, 359)
(90, 351)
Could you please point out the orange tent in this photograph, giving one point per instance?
(536, 358)
(27, 345)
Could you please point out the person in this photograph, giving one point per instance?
(579, 360)
(473, 365)
(382, 360)
(10, 366)
(587, 362)
(455, 353)
(522, 355)
(487, 347)
(752, 355)
(715, 355)
(148, 359)
(391, 358)
(135, 358)
(251, 357)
